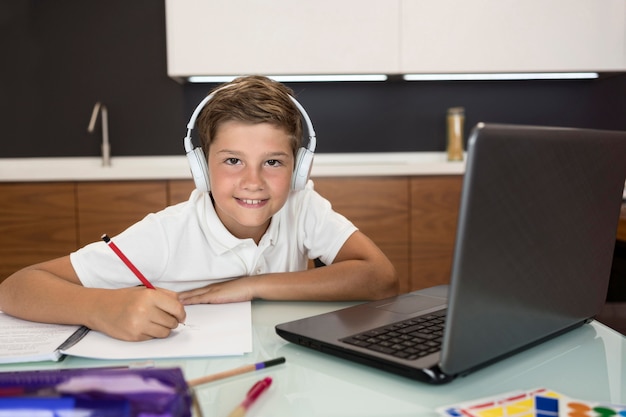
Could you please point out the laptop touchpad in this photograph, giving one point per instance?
(412, 303)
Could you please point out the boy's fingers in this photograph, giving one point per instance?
(172, 306)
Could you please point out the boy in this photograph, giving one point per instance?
(250, 237)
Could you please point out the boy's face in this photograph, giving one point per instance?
(250, 167)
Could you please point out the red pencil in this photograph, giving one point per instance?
(127, 261)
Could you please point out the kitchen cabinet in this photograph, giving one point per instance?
(179, 190)
(411, 218)
(112, 206)
(393, 36)
(513, 36)
(42, 221)
(379, 207)
(37, 223)
(281, 37)
(434, 212)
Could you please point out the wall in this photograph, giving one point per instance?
(410, 116)
(60, 57)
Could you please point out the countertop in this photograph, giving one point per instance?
(175, 167)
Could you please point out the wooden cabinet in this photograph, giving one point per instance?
(179, 190)
(412, 219)
(379, 207)
(42, 221)
(37, 223)
(434, 212)
(111, 207)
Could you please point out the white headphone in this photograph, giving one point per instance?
(198, 162)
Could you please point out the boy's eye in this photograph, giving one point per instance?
(274, 162)
(232, 161)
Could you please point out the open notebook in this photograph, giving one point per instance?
(209, 330)
(532, 259)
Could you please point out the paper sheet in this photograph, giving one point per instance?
(27, 341)
(210, 330)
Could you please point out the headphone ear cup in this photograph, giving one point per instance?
(199, 169)
(302, 169)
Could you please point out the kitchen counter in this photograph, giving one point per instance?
(175, 167)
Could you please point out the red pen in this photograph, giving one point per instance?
(127, 262)
(252, 395)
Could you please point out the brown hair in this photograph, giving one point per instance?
(251, 99)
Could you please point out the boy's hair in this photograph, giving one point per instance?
(251, 99)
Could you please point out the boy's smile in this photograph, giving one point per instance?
(251, 202)
(250, 168)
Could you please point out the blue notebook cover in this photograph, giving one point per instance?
(98, 392)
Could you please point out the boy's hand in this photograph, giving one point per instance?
(232, 291)
(139, 313)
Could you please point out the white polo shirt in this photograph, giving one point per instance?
(186, 246)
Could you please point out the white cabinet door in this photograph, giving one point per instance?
(512, 35)
(282, 37)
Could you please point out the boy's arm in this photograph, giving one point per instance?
(360, 271)
(51, 292)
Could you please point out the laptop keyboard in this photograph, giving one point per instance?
(407, 339)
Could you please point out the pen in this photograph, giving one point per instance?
(237, 371)
(252, 395)
(127, 261)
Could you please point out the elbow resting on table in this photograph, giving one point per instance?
(389, 284)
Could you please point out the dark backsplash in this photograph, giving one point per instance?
(61, 57)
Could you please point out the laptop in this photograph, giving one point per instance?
(536, 230)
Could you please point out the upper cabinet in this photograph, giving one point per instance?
(393, 36)
(281, 37)
(513, 35)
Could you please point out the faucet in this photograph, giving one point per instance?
(106, 148)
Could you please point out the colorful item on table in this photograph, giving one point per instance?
(253, 394)
(237, 371)
(569, 407)
(510, 404)
(539, 402)
(102, 392)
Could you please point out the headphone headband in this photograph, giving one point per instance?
(198, 163)
(192, 120)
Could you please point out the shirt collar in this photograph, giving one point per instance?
(219, 238)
